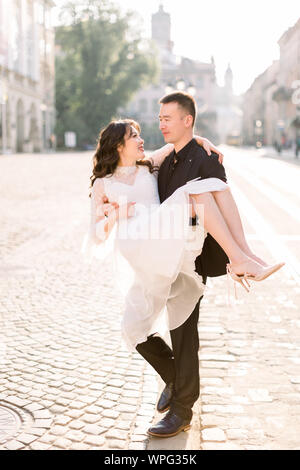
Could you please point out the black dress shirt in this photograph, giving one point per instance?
(176, 170)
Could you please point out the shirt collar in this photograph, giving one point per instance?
(184, 151)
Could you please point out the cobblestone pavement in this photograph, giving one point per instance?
(67, 380)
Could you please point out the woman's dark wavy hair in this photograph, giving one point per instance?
(106, 157)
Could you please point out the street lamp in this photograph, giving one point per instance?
(180, 85)
(169, 88)
(43, 108)
(191, 90)
(258, 131)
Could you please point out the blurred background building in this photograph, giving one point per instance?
(268, 113)
(271, 109)
(219, 113)
(27, 76)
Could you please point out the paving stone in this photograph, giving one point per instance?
(91, 419)
(240, 434)
(95, 440)
(93, 429)
(117, 444)
(137, 446)
(220, 446)
(77, 405)
(213, 434)
(63, 420)
(110, 414)
(260, 395)
(58, 430)
(123, 408)
(42, 423)
(56, 409)
(41, 414)
(75, 413)
(223, 409)
(76, 436)
(80, 446)
(14, 445)
(63, 443)
(116, 434)
(77, 424)
(39, 446)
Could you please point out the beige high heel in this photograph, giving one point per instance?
(238, 278)
(264, 273)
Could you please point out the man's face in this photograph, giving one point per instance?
(174, 122)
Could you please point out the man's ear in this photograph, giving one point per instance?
(188, 121)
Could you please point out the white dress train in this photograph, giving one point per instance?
(153, 252)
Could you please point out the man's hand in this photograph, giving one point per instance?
(124, 211)
(209, 147)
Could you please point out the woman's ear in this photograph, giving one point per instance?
(120, 148)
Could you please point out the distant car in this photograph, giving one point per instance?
(88, 147)
(233, 139)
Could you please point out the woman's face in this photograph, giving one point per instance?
(133, 148)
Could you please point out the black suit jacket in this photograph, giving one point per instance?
(212, 261)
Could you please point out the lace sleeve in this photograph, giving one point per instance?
(158, 156)
(99, 219)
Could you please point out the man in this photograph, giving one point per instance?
(179, 366)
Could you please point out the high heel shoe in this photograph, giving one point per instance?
(263, 273)
(238, 278)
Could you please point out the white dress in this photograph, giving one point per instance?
(153, 252)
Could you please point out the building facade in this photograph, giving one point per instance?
(176, 73)
(260, 109)
(229, 112)
(27, 76)
(287, 83)
(272, 103)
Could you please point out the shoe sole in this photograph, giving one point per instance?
(185, 428)
(164, 410)
(276, 268)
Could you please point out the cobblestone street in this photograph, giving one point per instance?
(67, 380)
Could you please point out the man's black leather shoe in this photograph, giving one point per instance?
(165, 398)
(169, 426)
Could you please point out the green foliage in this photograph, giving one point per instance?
(101, 62)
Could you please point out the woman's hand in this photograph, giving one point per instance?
(209, 147)
(125, 211)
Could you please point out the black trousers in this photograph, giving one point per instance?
(180, 364)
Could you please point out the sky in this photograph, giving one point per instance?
(244, 33)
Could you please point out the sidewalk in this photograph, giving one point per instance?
(286, 154)
(66, 379)
(249, 370)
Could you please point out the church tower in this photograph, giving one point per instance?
(161, 29)
(228, 80)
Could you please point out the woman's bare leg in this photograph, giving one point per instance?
(230, 212)
(216, 225)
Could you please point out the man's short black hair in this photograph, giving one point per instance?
(184, 100)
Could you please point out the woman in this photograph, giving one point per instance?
(153, 246)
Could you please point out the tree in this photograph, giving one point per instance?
(101, 62)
